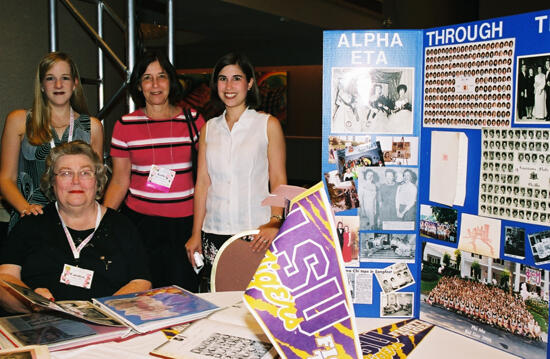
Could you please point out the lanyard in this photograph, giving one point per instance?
(76, 250)
(71, 129)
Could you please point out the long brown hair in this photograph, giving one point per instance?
(38, 128)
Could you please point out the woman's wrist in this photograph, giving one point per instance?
(26, 209)
(276, 217)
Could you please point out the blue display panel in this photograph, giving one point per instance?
(436, 159)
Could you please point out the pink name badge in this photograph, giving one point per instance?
(79, 277)
(160, 178)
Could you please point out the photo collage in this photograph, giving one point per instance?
(373, 184)
(480, 255)
(451, 192)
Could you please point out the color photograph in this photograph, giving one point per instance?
(497, 302)
(438, 223)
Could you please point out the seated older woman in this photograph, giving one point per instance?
(77, 249)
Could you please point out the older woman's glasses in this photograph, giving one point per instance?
(83, 175)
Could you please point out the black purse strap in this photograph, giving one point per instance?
(190, 120)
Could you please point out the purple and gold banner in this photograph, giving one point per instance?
(299, 292)
(394, 341)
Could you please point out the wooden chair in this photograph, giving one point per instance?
(235, 263)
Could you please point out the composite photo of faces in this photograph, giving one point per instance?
(514, 176)
(469, 85)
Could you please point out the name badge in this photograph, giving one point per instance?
(79, 277)
(160, 178)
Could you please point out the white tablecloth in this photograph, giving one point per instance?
(439, 343)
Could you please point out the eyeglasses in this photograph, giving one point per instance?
(83, 175)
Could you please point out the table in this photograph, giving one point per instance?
(439, 343)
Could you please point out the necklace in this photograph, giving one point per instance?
(71, 129)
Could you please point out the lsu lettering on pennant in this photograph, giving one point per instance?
(299, 293)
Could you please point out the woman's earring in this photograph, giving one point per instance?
(42, 89)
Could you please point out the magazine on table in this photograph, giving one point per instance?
(56, 330)
(230, 333)
(143, 311)
(31, 352)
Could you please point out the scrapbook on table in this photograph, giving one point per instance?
(31, 351)
(105, 318)
(452, 224)
(55, 331)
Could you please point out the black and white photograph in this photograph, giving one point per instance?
(387, 198)
(353, 159)
(398, 304)
(540, 246)
(514, 242)
(394, 277)
(469, 85)
(514, 174)
(336, 143)
(494, 301)
(342, 194)
(372, 100)
(533, 89)
(399, 150)
(438, 223)
(387, 247)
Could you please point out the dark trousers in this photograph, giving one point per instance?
(211, 243)
(164, 239)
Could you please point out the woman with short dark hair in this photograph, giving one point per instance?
(153, 163)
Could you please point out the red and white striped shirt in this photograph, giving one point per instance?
(163, 142)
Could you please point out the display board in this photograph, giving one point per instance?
(437, 164)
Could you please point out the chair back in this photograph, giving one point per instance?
(235, 263)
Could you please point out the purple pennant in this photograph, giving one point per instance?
(299, 292)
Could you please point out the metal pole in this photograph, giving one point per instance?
(170, 11)
(120, 90)
(114, 16)
(131, 50)
(53, 22)
(109, 11)
(101, 88)
(94, 34)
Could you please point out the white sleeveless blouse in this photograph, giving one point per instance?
(239, 172)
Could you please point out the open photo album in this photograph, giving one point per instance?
(140, 312)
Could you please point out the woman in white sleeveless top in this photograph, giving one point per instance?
(241, 155)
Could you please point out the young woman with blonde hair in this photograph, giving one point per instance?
(59, 114)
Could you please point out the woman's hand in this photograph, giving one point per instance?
(194, 244)
(34, 209)
(45, 292)
(267, 234)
